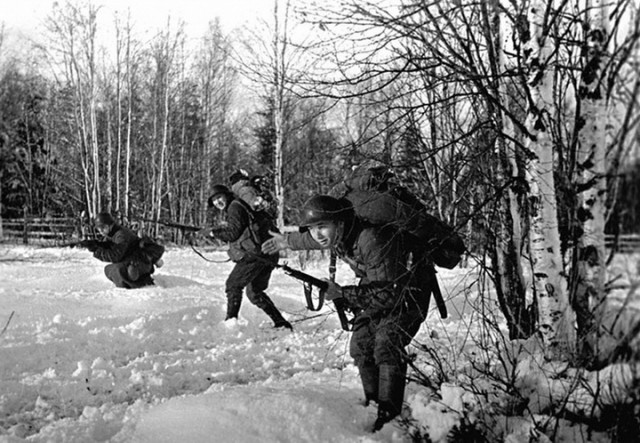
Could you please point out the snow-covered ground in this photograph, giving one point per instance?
(82, 361)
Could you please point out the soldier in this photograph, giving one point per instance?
(388, 305)
(129, 267)
(245, 230)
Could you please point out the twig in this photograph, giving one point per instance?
(8, 321)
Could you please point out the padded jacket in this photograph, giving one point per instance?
(379, 258)
(121, 245)
(244, 229)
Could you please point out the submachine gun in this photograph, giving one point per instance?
(309, 282)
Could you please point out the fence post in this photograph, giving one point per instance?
(25, 232)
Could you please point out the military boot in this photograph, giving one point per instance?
(233, 306)
(274, 314)
(391, 385)
(369, 378)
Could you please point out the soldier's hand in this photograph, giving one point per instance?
(204, 232)
(334, 291)
(276, 243)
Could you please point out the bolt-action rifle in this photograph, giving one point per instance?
(87, 244)
(170, 224)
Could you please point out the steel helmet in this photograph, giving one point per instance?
(104, 219)
(323, 208)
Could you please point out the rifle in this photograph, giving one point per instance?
(170, 224)
(72, 244)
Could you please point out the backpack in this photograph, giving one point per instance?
(151, 250)
(263, 186)
(249, 243)
(377, 200)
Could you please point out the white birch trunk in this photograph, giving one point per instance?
(549, 285)
(118, 117)
(279, 48)
(505, 37)
(592, 157)
(127, 148)
(163, 147)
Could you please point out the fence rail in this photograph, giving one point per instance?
(28, 230)
(625, 243)
(61, 229)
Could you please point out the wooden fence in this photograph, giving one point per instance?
(41, 230)
(60, 230)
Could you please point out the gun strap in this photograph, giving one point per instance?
(308, 290)
(193, 247)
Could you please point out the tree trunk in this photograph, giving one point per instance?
(279, 49)
(127, 149)
(556, 320)
(589, 296)
(509, 241)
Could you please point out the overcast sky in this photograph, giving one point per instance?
(23, 16)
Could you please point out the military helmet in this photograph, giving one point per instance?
(323, 208)
(104, 219)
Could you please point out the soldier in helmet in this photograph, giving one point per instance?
(128, 266)
(245, 230)
(384, 304)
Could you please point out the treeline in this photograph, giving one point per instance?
(513, 121)
(144, 131)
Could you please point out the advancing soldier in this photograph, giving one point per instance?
(245, 230)
(129, 266)
(388, 305)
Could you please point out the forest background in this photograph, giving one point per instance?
(514, 121)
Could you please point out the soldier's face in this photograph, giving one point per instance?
(220, 202)
(325, 233)
(103, 229)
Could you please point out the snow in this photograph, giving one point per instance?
(82, 361)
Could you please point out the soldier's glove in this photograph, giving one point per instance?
(91, 245)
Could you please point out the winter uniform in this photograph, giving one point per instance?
(129, 267)
(245, 230)
(388, 305)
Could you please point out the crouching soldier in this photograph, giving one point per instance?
(129, 266)
(388, 305)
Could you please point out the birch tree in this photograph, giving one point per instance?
(164, 57)
(216, 79)
(73, 30)
(549, 285)
(515, 63)
(271, 64)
